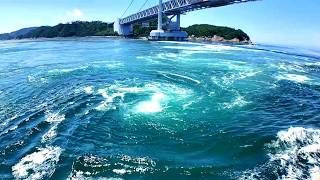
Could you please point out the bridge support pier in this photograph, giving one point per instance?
(173, 34)
(123, 29)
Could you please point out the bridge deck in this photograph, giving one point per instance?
(173, 7)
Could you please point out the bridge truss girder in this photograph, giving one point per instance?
(174, 7)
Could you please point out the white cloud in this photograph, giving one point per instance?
(75, 14)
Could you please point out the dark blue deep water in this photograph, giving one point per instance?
(94, 108)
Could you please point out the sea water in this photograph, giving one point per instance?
(91, 108)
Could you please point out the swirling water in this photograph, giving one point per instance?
(101, 108)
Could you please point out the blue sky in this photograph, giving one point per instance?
(288, 22)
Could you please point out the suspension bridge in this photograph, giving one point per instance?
(171, 9)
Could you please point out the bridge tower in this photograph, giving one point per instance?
(173, 31)
(123, 29)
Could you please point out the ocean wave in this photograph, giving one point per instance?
(5, 122)
(50, 134)
(54, 117)
(12, 128)
(295, 154)
(310, 66)
(294, 77)
(37, 165)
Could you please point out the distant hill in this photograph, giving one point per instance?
(206, 30)
(16, 34)
(74, 29)
(97, 28)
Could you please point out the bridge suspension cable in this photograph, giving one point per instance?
(127, 8)
(145, 2)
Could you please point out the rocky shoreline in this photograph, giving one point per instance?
(216, 38)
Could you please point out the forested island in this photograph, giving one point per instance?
(202, 32)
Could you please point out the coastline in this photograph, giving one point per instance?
(189, 39)
(219, 39)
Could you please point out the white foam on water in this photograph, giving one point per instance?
(54, 117)
(169, 89)
(107, 104)
(185, 106)
(131, 89)
(37, 165)
(181, 42)
(167, 74)
(153, 105)
(239, 101)
(114, 65)
(222, 47)
(67, 70)
(87, 112)
(230, 79)
(160, 94)
(192, 52)
(171, 55)
(205, 48)
(295, 153)
(103, 93)
(121, 171)
(34, 79)
(151, 87)
(13, 128)
(80, 175)
(88, 90)
(246, 146)
(315, 173)
(138, 160)
(313, 64)
(8, 130)
(290, 67)
(31, 78)
(119, 165)
(293, 77)
(110, 98)
(5, 122)
(52, 133)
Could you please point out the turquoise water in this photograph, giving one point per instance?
(128, 109)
